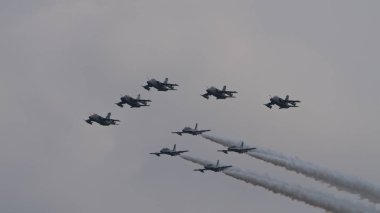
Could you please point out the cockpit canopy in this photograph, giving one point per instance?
(165, 150)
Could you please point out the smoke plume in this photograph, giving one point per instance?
(333, 178)
(309, 196)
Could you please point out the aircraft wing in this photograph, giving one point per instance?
(269, 105)
(178, 133)
(248, 149)
(169, 85)
(155, 153)
(147, 87)
(200, 170)
(120, 104)
(293, 102)
(114, 121)
(205, 95)
(144, 101)
(202, 131)
(224, 167)
(229, 93)
(180, 152)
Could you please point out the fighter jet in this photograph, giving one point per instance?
(191, 131)
(282, 103)
(167, 151)
(133, 102)
(239, 149)
(219, 94)
(160, 86)
(212, 167)
(102, 121)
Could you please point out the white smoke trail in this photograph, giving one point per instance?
(340, 181)
(309, 196)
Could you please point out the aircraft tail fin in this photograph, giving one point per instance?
(166, 80)
(138, 97)
(287, 97)
(196, 126)
(217, 163)
(242, 144)
(108, 115)
(224, 88)
(174, 147)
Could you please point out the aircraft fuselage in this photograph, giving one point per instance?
(100, 120)
(282, 103)
(159, 85)
(191, 131)
(134, 103)
(219, 94)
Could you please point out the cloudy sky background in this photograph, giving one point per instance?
(61, 60)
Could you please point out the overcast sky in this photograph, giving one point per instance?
(61, 60)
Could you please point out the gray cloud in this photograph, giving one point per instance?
(61, 61)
